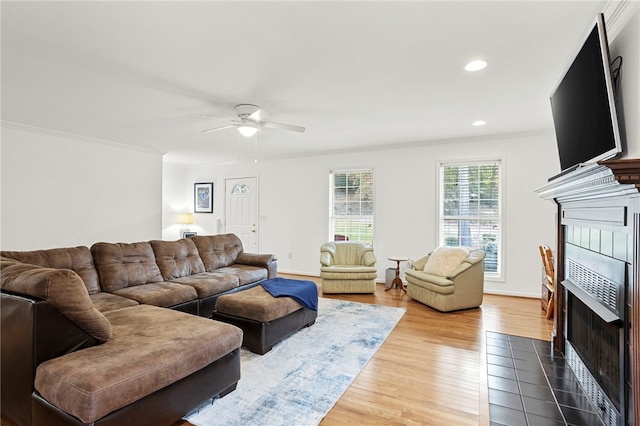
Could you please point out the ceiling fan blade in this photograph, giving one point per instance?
(283, 126)
(259, 115)
(215, 117)
(219, 128)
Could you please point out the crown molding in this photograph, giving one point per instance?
(81, 138)
(617, 14)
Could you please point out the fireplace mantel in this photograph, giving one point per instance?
(625, 171)
(603, 179)
(597, 204)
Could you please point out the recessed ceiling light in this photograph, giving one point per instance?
(478, 123)
(475, 65)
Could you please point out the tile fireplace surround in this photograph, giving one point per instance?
(529, 385)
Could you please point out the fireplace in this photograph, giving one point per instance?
(594, 332)
(598, 288)
(597, 343)
(593, 353)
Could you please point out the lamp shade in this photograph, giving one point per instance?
(185, 218)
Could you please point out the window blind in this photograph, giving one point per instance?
(470, 209)
(352, 205)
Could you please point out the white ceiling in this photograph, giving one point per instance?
(359, 75)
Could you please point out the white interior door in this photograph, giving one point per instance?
(242, 211)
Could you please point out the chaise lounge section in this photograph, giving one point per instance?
(87, 337)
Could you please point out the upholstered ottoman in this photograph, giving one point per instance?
(264, 319)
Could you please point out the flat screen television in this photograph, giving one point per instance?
(583, 105)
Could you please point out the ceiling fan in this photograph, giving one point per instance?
(250, 119)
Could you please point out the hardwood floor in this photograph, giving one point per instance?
(431, 370)
(432, 367)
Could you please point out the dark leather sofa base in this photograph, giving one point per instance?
(259, 337)
(190, 307)
(26, 320)
(163, 407)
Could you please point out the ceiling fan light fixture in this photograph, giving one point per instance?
(246, 130)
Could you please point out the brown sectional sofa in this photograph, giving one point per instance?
(87, 338)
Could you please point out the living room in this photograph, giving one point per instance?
(98, 178)
(63, 186)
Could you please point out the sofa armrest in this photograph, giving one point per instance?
(369, 258)
(267, 261)
(326, 259)
(62, 288)
(253, 259)
(475, 256)
(475, 259)
(471, 280)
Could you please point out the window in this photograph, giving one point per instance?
(470, 212)
(351, 205)
(240, 188)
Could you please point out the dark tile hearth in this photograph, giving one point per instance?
(529, 385)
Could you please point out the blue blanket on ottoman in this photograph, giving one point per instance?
(303, 292)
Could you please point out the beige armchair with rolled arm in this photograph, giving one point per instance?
(348, 267)
(448, 279)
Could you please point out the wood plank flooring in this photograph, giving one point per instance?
(431, 370)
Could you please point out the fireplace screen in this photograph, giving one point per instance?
(598, 345)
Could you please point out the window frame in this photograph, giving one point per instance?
(498, 276)
(332, 216)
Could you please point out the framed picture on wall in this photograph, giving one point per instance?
(203, 197)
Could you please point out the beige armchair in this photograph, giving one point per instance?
(452, 280)
(347, 267)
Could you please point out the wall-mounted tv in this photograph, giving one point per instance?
(583, 105)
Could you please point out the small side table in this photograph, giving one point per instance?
(397, 281)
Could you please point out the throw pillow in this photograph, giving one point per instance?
(445, 260)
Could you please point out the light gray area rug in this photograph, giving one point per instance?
(302, 377)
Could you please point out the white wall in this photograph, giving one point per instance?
(175, 200)
(625, 42)
(59, 190)
(294, 194)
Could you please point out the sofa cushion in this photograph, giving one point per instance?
(177, 259)
(348, 272)
(445, 260)
(122, 265)
(434, 283)
(105, 302)
(209, 283)
(62, 288)
(256, 304)
(163, 294)
(151, 348)
(218, 251)
(78, 259)
(245, 273)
